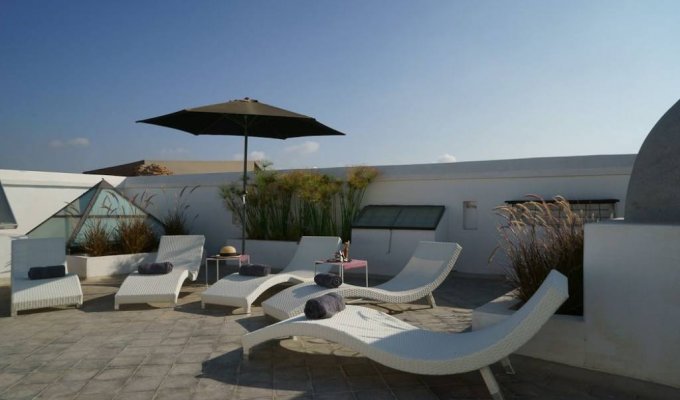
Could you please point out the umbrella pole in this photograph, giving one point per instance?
(245, 192)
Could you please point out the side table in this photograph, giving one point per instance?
(343, 265)
(243, 258)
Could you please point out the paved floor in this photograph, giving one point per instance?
(147, 352)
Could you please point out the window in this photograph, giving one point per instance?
(591, 210)
(399, 217)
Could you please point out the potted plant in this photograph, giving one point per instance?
(535, 237)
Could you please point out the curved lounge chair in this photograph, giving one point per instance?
(429, 265)
(241, 291)
(399, 345)
(185, 252)
(29, 294)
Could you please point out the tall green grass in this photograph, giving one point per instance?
(285, 206)
(538, 236)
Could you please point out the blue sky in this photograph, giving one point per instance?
(408, 82)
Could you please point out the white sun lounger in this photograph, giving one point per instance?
(29, 294)
(429, 265)
(399, 345)
(185, 252)
(241, 291)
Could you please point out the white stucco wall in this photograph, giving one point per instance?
(632, 300)
(490, 183)
(34, 196)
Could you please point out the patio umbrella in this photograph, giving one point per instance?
(245, 118)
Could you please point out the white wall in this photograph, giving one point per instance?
(34, 196)
(489, 183)
(212, 218)
(632, 300)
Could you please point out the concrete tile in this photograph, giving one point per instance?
(62, 389)
(78, 375)
(179, 381)
(375, 394)
(143, 383)
(174, 394)
(186, 369)
(136, 395)
(124, 361)
(114, 373)
(23, 391)
(153, 370)
(101, 386)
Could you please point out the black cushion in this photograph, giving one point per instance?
(155, 268)
(254, 270)
(52, 271)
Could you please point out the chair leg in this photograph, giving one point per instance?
(13, 312)
(202, 306)
(248, 309)
(430, 299)
(507, 366)
(116, 306)
(491, 383)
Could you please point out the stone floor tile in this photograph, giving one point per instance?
(334, 396)
(186, 369)
(375, 394)
(192, 357)
(62, 389)
(95, 396)
(252, 393)
(115, 373)
(109, 386)
(143, 383)
(174, 394)
(330, 385)
(148, 395)
(414, 394)
(153, 370)
(9, 378)
(41, 377)
(75, 374)
(124, 361)
(23, 391)
(179, 381)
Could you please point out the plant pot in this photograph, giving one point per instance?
(121, 264)
(561, 339)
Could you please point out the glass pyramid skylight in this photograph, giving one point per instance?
(101, 204)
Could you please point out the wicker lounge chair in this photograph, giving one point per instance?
(185, 252)
(241, 291)
(429, 265)
(29, 294)
(399, 345)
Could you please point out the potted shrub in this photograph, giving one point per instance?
(535, 237)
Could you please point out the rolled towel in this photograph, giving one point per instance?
(155, 268)
(52, 271)
(324, 306)
(254, 270)
(328, 280)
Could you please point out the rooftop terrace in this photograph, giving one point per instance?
(145, 352)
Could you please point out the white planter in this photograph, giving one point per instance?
(88, 267)
(275, 253)
(562, 338)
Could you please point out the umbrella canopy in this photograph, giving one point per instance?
(245, 118)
